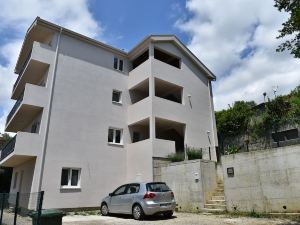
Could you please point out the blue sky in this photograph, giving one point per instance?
(235, 39)
(128, 22)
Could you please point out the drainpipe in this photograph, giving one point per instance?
(45, 141)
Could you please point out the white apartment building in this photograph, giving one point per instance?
(89, 117)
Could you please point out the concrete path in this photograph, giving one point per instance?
(178, 218)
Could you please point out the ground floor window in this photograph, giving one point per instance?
(70, 177)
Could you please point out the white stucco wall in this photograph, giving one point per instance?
(82, 112)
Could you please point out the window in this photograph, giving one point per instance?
(157, 187)
(121, 65)
(115, 136)
(116, 96)
(70, 178)
(15, 180)
(118, 64)
(133, 188)
(120, 190)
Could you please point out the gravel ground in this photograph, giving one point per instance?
(178, 218)
(8, 219)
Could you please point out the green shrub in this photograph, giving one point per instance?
(231, 150)
(176, 157)
(194, 153)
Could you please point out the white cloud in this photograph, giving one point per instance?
(222, 31)
(17, 15)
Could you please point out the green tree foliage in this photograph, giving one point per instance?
(291, 27)
(243, 119)
(234, 120)
(4, 140)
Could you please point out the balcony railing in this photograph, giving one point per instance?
(22, 69)
(15, 107)
(8, 148)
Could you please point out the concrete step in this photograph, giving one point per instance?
(218, 193)
(218, 197)
(222, 202)
(219, 190)
(215, 206)
(206, 210)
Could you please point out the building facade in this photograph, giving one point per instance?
(89, 117)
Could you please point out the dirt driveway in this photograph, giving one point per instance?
(178, 218)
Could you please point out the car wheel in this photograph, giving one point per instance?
(168, 214)
(104, 210)
(137, 212)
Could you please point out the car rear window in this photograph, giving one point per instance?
(157, 187)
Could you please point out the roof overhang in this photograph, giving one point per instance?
(41, 29)
(171, 38)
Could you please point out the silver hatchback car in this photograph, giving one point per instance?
(140, 199)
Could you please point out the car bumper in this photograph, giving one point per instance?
(151, 208)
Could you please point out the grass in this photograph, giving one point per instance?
(84, 213)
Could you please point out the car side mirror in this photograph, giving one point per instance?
(110, 194)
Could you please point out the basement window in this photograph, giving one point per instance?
(167, 58)
(115, 136)
(70, 178)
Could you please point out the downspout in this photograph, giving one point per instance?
(45, 141)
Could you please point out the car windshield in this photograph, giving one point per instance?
(157, 187)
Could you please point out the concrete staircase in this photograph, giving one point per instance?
(217, 202)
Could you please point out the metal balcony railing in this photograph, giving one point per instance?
(15, 107)
(22, 69)
(8, 148)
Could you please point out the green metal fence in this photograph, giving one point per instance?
(16, 207)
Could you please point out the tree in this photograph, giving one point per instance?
(4, 140)
(290, 27)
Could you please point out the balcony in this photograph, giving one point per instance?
(167, 72)
(139, 111)
(162, 148)
(139, 74)
(169, 110)
(27, 107)
(21, 148)
(35, 67)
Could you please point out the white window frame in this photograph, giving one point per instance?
(118, 64)
(120, 100)
(69, 186)
(114, 136)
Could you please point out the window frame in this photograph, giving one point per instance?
(114, 136)
(117, 65)
(120, 96)
(70, 171)
(123, 193)
(133, 184)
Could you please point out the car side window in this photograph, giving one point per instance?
(133, 188)
(120, 190)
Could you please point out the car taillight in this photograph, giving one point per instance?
(149, 195)
(172, 194)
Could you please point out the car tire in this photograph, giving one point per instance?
(137, 212)
(104, 210)
(168, 214)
